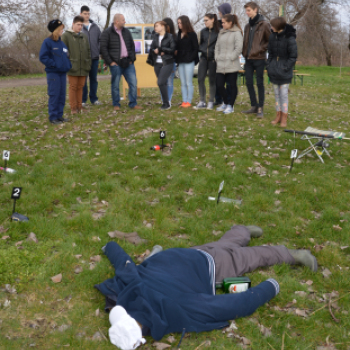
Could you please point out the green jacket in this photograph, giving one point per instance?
(79, 53)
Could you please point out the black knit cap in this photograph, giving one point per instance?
(54, 24)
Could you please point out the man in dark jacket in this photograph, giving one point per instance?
(118, 51)
(175, 289)
(93, 32)
(255, 42)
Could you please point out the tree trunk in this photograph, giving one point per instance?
(109, 7)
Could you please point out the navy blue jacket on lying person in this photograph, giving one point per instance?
(54, 55)
(172, 290)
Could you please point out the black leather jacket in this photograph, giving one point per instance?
(167, 46)
(208, 38)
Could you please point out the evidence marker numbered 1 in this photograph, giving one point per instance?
(16, 195)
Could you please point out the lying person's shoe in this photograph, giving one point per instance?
(221, 108)
(252, 110)
(200, 105)
(229, 109)
(55, 121)
(304, 257)
(255, 231)
(210, 105)
(64, 120)
(165, 106)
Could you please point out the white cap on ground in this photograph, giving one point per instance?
(125, 331)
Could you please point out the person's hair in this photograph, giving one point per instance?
(216, 23)
(78, 19)
(55, 35)
(232, 19)
(253, 5)
(84, 9)
(170, 24)
(279, 23)
(186, 25)
(164, 24)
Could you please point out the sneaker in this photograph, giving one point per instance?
(183, 104)
(252, 110)
(170, 103)
(221, 108)
(97, 103)
(187, 104)
(260, 113)
(55, 121)
(64, 120)
(165, 106)
(210, 105)
(228, 110)
(200, 105)
(217, 103)
(84, 104)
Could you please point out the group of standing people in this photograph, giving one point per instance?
(217, 48)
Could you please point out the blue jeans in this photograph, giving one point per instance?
(56, 89)
(186, 77)
(129, 74)
(93, 83)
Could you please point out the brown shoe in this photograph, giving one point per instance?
(136, 107)
(284, 120)
(260, 113)
(117, 108)
(82, 111)
(73, 111)
(278, 118)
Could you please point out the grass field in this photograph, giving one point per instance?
(97, 174)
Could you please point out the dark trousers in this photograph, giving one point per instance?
(56, 89)
(218, 96)
(93, 83)
(203, 68)
(163, 73)
(250, 67)
(233, 258)
(230, 79)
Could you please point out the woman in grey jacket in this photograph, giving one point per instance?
(227, 50)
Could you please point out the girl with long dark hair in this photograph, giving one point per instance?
(162, 58)
(187, 58)
(283, 53)
(170, 83)
(207, 41)
(227, 50)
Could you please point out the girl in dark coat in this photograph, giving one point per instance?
(162, 57)
(187, 58)
(283, 54)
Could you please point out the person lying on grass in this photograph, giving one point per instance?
(174, 289)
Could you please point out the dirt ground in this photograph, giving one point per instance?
(12, 83)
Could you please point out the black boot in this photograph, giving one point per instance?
(252, 110)
(260, 113)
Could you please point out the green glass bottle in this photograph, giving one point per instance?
(236, 284)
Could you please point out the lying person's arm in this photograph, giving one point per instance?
(231, 306)
(117, 256)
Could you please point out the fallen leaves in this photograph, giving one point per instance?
(57, 278)
(161, 346)
(132, 237)
(32, 238)
(326, 272)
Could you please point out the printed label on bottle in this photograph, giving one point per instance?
(238, 288)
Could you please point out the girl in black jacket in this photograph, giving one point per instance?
(207, 41)
(162, 56)
(283, 54)
(187, 58)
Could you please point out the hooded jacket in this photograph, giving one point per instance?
(79, 53)
(167, 46)
(260, 40)
(172, 290)
(110, 45)
(227, 50)
(207, 41)
(54, 55)
(283, 53)
(93, 35)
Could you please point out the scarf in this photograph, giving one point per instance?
(252, 22)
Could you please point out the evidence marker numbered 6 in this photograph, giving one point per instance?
(6, 155)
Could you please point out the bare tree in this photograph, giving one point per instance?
(156, 10)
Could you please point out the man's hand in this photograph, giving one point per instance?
(156, 51)
(113, 64)
(162, 54)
